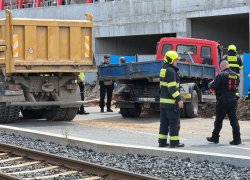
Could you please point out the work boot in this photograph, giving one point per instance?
(109, 110)
(163, 144)
(78, 112)
(177, 145)
(102, 110)
(234, 142)
(213, 139)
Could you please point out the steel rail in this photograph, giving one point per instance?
(74, 164)
(7, 177)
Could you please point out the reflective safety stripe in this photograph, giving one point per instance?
(162, 83)
(169, 101)
(234, 65)
(240, 67)
(249, 75)
(232, 58)
(238, 74)
(171, 84)
(248, 92)
(174, 137)
(237, 94)
(162, 136)
(176, 94)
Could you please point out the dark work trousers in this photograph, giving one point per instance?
(103, 90)
(170, 121)
(81, 86)
(226, 106)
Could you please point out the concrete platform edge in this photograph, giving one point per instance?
(240, 161)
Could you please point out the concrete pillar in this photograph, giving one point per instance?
(188, 30)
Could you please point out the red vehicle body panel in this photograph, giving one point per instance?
(199, 43)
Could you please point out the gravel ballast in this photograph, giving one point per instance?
(163, 168)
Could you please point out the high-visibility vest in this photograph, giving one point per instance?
(82, 76)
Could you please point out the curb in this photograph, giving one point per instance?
(98, 146)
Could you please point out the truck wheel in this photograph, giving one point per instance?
(70, 114)
(32, 114)
(135, 112)
(192, 107)
(13, 114)
(3, 112)
(55, 114)
(124, 112)
(183, 113)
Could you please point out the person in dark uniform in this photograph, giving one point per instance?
(235, 62)
(106, 88)
(225, 85)
(170, 101)
(81, 80)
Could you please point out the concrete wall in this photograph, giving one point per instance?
(140, 17)
(129, 45)
(232, 29)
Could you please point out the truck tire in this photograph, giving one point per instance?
(70, 114)
(124, 112)
(32, 114)
(13, 114)
(192, 107)
(3, 112)
(55, 114)
(183, 113)
(135, 112)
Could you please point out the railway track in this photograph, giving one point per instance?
(48, 162)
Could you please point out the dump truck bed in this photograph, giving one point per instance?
(142, 70)
(40, 46)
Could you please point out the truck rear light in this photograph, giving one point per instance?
(15, 87)
(72, 86)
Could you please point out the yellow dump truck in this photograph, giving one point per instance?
(39, 62)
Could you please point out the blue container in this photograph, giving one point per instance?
(152, 69)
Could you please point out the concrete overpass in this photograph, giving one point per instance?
(132, 27)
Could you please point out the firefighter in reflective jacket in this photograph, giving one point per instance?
(235, 62)
(170, 98)
(225, 84)
(81, 81)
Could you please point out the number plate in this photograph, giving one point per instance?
(146, 99)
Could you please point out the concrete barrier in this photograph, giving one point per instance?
(98, 146)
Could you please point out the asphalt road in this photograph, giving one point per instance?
(112, 127)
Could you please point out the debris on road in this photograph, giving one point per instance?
(92, 94)
(207, 110)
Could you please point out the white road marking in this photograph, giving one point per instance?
(146, 133)
(239, 147)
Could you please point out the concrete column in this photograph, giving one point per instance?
(188, 30)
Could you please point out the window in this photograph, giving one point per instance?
(205, 52)
(187, 48)
(166, 48)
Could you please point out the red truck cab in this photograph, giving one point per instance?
(202, 51)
